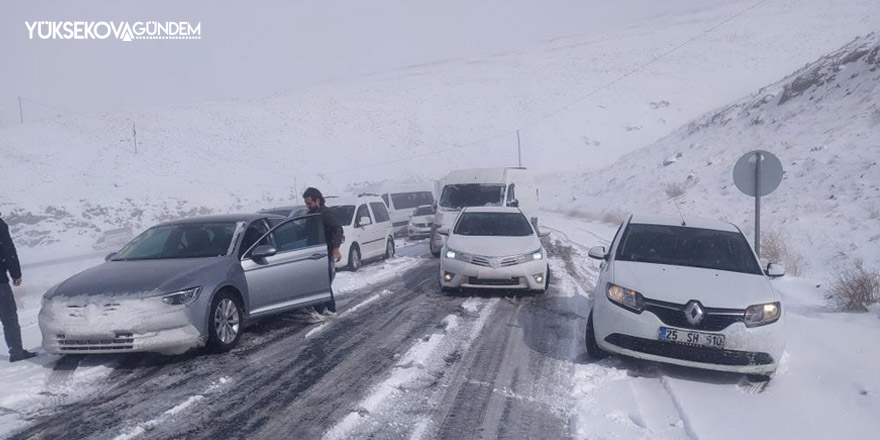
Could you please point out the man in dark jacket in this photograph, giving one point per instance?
(333, 233)
(314, 200)
(8, 311)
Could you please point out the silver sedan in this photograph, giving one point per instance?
(190, 283)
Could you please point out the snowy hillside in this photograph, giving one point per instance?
(823, 122)
(581, 101)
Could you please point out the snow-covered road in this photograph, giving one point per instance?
(401, 360)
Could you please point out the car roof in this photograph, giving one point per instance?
(279, 208)
(492, 209)
(221, 218)
(690, 222)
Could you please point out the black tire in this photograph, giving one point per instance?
(354, 258)
(390, 248)
(434, 251)
(225, 322)
(593, 349)
(329, 306)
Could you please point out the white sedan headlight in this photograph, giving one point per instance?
(537, 255)
(182, 297)
(762, 314)
(626, 298)
(451, 254)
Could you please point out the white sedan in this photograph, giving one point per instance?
(493, 248)
(690, 293)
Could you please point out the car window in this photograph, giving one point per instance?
(686, 246)
(409, 200)
(343, 214)
(361, 213)
(380, 212)
(503, 224)
(253, 233)
(184, 240)
(297, 234)
(424, 210)
(472, 194)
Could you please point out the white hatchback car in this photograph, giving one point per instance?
(690, 293)
(367, 229)
(493, 248)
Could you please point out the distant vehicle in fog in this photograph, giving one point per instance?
(514, 187)
(493, 248)
(690, 293)
(402, 199)
(421, 221)
(189, 283)
(113, 239)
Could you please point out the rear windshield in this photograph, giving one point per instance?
(424, 210)
(685, 246)
(409, 200)
(343, 214)
(472, 194)
(503, 224)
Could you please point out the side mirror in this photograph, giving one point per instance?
(775, 270)
(597, 253)
(110, 256)
(443, 231)
(543, 233)
(513, 203)
(263, 251)
(364, 221)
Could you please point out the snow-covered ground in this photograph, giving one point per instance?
(821, 121)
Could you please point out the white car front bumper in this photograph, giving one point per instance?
(754, 350)
(531, 275)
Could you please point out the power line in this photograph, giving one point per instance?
(638, 69)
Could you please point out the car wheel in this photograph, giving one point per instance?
(329, 306)
(593, 349)
(354, 258)
(225, 326)
(389, 248)
(435, 251)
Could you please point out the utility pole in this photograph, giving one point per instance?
(134, 134)
(20, 110)
(519, 148)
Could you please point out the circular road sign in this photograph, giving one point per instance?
(744, 172)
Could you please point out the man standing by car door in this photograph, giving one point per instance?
(8, 312)
(314, 200)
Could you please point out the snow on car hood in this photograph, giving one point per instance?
(494, 246)
(138, 278)
(680, 284)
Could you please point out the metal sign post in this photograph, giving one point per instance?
(757, 173)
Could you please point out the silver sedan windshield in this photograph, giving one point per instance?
(185, 240)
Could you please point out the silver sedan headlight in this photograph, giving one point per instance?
(182, 297)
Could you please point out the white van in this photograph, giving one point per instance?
(402, 200)
(367, 228)
(483, 187)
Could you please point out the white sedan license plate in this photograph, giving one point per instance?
(688, 337)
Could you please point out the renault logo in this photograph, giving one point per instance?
(694, 312)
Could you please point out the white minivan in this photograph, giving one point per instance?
(367, 228)
(402, 200)
(512, 186)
